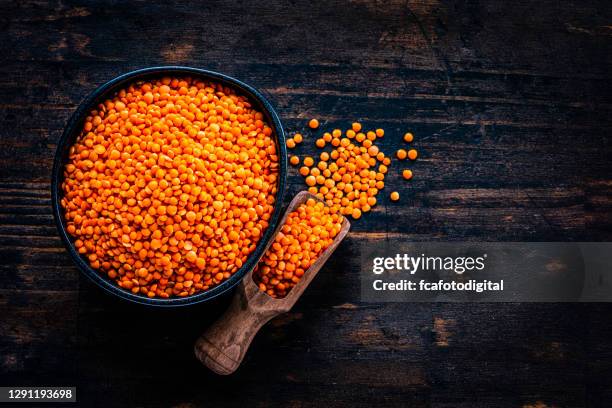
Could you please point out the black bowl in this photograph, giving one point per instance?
(72, 131)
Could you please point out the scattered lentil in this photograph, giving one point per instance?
(350, 176)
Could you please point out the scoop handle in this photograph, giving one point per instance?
(224, 344)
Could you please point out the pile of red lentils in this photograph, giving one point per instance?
(351, 175)
(170, 186)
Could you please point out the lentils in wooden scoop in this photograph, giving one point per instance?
(307, 232)
(170, 186)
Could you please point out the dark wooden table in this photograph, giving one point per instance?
(511, 106)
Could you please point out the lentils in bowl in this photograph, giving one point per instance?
(170, 185)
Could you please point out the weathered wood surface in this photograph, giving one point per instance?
(510, 104)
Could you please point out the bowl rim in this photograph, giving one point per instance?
(73, 129)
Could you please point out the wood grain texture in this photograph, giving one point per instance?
(511, 107)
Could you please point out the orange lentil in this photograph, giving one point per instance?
(313, 123)
(408, 137)
(304, 171)
(412, 154)
(407, 174)
(356, 126)
(290, 143)
(311, 181)
(380, 132)
(294, 160)
(394, 196)
(169, 185)
(308, 161)
(298, 138)
(307, 232)
(320, 143)
(401, 154)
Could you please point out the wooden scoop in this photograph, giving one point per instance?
(224, 344)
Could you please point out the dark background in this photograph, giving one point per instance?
(510, 103)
